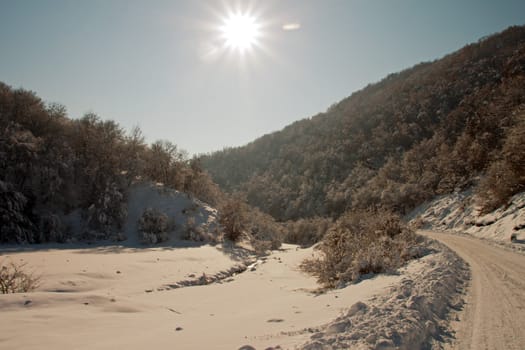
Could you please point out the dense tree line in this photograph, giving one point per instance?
(434, 128)
(52, 165)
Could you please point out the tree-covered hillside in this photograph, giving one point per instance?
(52, 165)
(430, 129)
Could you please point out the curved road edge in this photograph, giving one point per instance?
(494, 312)
(413, 314)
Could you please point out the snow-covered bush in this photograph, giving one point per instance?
(239, 221)
(363, 242)
(233, 218)
(266, 233)
(153, 226)
(198, 233)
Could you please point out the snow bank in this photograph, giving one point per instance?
(458, 212)
(412, 315)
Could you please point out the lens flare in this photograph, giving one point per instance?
(240, 31)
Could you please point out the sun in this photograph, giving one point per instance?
(240, 31)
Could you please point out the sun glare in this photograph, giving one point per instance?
(240, 31)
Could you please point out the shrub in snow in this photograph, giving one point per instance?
(266, 234)
(363, 242)
(191, 231)
(262, 247)
(153, 226)
(239, 220)
(306, 232)
(200, 233)
(15, 279)
(233, 218)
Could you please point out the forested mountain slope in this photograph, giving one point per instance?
(427, 130)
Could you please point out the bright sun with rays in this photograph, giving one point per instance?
(240, 31)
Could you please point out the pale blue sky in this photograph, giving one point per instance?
(144, 62)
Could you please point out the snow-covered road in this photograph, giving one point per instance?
(494, 314)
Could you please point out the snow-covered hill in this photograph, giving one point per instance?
(188, 217)
(458, 212)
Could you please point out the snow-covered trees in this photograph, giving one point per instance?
(430, 129)
(15, 225)
(506, 176)
(52, 165)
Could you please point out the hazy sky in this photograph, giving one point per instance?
(162, 65)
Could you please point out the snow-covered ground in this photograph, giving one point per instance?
(422, 309)
(109, 297)
(120, 297)
(414, 313)
(194, 296)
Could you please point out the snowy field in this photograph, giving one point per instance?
(116, 297)
(190, 295)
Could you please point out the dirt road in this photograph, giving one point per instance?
(494, 315)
